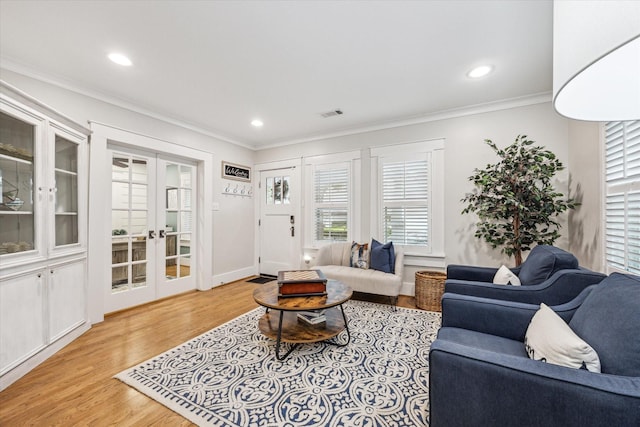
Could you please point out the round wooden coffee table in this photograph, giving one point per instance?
(285, 325)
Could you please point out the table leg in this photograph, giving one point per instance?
(346, 327)
(279, 338)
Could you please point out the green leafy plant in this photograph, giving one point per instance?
(514, 199)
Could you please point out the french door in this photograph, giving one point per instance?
(152, 231)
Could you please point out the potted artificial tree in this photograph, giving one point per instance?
(514, 199)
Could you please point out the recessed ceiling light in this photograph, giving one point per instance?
(257, 123)
(120, 59)
(480, 71)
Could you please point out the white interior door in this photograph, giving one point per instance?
(152, 232)
(279, 226)
(133, 221)
(176, 237)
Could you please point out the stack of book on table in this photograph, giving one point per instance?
(312, 317)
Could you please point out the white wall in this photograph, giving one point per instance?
(233, 231)
(586, 164)
(576, 144)
(464, 151)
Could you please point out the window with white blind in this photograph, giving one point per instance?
(331, 202)
(408, 196)
(622, 144)
(405, 200)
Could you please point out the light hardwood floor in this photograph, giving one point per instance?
(76, 385)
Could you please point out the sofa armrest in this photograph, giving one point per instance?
(474, 273)
(323, 257)
(506, 319)
(490, 316)
(471, 386)
(481, 289)
(561, 287)
(468, 272)
(398, 267)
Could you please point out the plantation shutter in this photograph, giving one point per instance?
(331, 197)
(622, 144)
(405, 201)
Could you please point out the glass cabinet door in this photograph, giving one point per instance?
(66, 191)
(17, 175)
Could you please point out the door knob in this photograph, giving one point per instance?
(162, 234)
(293, 231)
(152, 234)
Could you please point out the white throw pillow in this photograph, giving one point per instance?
(551, 340)
(505, 276)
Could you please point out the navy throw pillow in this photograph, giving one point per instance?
(383, 257)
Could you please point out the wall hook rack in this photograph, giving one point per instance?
(238, 190)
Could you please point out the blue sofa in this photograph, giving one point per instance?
(480, 374)
(549, 274)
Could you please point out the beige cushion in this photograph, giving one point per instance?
(334, 254)
(361, 280)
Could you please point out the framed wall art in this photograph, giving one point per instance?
(237, 172)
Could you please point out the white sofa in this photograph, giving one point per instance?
(334, 259)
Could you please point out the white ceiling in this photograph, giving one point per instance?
(216, 65)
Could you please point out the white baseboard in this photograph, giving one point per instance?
(232, 276)
(408, 288)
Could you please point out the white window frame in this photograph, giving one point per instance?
(433, 150)
(343, 167)
(622, 196)
(350, 160)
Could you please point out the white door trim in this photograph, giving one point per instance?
(100, 184)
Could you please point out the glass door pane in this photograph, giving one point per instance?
(129, 222)
(66, 192)
(178, 220)
(17, 225)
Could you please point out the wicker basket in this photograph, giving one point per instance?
(429, 289)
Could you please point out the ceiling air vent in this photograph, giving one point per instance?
(331, 113)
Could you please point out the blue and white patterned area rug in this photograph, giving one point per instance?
(230, 376)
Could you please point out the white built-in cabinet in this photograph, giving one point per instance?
(43, 232)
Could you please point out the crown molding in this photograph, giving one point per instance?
(505, 104)
(18, 68)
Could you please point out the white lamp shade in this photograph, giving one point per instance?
(596, 59)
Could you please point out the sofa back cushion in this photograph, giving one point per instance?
(609, 320)
(334, 254)
(542, 262)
